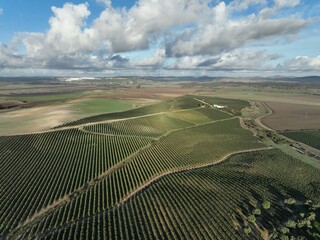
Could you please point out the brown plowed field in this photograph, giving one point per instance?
(292, 116)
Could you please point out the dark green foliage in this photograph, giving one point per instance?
(208, 203)
(251, 219)
(55, 165)
(311, 138)
(233, 106)
(37, 169)
(266, 205)
(152, 126)
(182, 149)
(228, 200)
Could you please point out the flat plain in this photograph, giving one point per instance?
(287, 116)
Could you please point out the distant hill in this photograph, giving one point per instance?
(308, 79)
(55, 80)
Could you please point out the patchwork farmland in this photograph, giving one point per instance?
(179, 169)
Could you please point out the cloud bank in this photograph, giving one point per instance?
(181, 34)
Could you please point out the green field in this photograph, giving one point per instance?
(199, 116)
(44, 117)
(159, 124)
(311, 138)
(151, 126)
(49, 97)
(216, 202)
(93, 106)
(150, 172)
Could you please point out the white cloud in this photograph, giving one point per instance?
(128, 30)
(156, 60)
(188, 62)
(217, 38)
(230, 61)
(105, 2)
(286, 3)
(244, 60)
(239, 5)
(114, 31)
(198, 35)
(302, 63)
(67, 34)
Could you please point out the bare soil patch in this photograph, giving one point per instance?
(33, 119)
(151, 93)
(292, 116)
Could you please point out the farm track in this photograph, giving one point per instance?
(307, 148)
(258, 119)
(147, 184)
(153, 180)
(65, 199)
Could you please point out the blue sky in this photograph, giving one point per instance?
(160, 37)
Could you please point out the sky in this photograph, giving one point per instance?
(159, 38)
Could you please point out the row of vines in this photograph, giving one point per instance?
(242, 198)
(183, 149)
(41, 170)
(38, 169)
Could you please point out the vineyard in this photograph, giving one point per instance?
(309, 137)
(38, 169)
(176, 104)
(216, 202)
(159, 124)
(130, 175)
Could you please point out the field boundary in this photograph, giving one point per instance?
(258, 119)
(96, 123)
(153, 180)
(115, 135)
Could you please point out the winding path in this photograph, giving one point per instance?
(258, 119)
(153, 180)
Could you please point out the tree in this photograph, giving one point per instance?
(256, 211)
(290, 201)
(252, 218)
(247, 230)
(266, 205)
(291, 224)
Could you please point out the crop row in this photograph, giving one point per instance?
(199, 116)
(185, 102)
(209, 203)
(36, 170)
(311, 138)
(55, 164)
(151, 126)
(182, 149)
